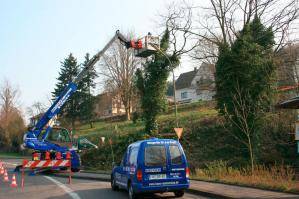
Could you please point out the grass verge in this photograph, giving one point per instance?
(276, 177)
(11, 155)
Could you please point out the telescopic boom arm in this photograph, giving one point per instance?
(97, 56)
(72, 86)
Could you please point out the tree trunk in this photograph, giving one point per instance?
(73, 124)
(251, 155)
(128, 114)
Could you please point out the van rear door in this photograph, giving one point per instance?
(177, 165)
(155, 164)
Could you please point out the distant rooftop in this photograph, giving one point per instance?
(185, 79)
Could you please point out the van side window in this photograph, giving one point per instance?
(155, 156)
(175, 154)
(133, 156)
(122, 163)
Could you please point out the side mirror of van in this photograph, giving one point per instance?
(114, 164)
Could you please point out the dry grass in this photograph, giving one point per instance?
(277, 177)
(197, 111)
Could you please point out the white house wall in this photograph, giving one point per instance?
(190, 95)
(204, 95)
(203, 72)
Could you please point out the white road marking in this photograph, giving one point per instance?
(65, 188)
(14, 164)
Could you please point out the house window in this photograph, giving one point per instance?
(184, 95)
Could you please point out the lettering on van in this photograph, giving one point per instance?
(163, 183)
(131, 169)
(161, 142)
(175, 175)
(178, 169)
(153, 170)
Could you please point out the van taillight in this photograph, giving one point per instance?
(139, 175)
(187, 172)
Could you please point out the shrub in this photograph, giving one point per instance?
(277, 177)
(102, 159)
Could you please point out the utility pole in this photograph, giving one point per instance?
(173, 80)
(174, 100)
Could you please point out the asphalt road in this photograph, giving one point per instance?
(50, 187)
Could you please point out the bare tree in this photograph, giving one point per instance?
(219, 23)
(242, 112)
(11, 120)
(37, 108)
(179, 22)
(118, 66)
(287, 60)
(8, 103)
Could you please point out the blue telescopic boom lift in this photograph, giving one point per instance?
(32, 138)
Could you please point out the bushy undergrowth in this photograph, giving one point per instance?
(277, 177)
(103, 157)
(206, 140)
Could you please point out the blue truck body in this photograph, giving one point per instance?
(32, 138)
(151, 166)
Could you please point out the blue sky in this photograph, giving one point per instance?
(36, 35)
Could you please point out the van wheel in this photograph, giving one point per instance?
(179, 193)
(113, 184)
(132, 194)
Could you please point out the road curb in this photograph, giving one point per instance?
(247, 186)
(81, 177)
(14, 157)
(207, 194)
(190, 190)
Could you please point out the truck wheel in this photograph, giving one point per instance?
(113, 184)
(63, 168)
(132, 194)
(75, 170)
(179, 193)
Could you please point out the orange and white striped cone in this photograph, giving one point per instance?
(14, 182)
(5, 179)
(2, 170)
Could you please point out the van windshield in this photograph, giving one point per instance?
(155, 155)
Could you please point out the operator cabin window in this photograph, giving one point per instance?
(184, 95)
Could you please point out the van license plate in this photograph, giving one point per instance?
(157, 177)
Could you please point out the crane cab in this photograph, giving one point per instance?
(146, 46)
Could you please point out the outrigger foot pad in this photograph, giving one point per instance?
(17, 169)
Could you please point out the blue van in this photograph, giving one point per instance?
(152, 166)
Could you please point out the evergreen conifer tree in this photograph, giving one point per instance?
(152, 84)
(69, 70)
(87, 84)
(244, 74)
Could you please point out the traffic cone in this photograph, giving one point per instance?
(2, 170)
(5, 176)
(14, 182)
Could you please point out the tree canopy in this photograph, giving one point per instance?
(152, 84)
(79, 105)
(244, 74)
